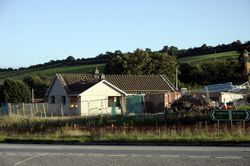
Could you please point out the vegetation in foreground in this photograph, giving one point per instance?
(118, 130)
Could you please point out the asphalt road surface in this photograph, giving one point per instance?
(71, 155)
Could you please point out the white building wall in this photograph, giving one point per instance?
(230, 97)
(94, 101)
(58, 107)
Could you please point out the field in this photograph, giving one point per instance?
(210, 57)
(49, 72)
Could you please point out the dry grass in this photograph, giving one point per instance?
(37, 129)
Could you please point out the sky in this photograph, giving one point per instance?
(37, 31)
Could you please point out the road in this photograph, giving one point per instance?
(64, 155)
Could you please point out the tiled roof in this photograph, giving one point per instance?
(131, 84)
(141, 83)
(77, 83)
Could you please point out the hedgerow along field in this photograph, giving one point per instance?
(217, 57)
(50, 71)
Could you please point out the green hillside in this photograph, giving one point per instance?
(210, 57)
(50, 71)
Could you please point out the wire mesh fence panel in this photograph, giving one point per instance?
(24, 109)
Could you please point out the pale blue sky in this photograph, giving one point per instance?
(37, 31)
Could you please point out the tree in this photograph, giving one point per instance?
(173, 51)
(165, 49)
(136, 63)
(142, 62)
(15, 91)
(211, 73)
(1, 94)
(162, 63)
(39, 83)
(70, 58)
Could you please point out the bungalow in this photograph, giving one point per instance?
(87, 94)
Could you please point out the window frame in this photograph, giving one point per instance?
(114, 99)
(73, 102)
(63, 100)
(52, 99)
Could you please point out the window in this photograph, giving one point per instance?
(52, 99)
(73, 102)
(63, 100)
(114, 100)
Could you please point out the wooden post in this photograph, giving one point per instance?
(244, 125)
(10, 110)
(31, 111)
(123, 104)
(218, 126)
(32, 95)
(17, 111)
(206, 126)
(36, 108)
(23, 110)
(231, 123)
(61, 107)
(44, 111)
(124, 128)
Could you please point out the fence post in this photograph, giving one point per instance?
(244, 126)
(10, 110)
(61, 110)
(123, 104)
(23, 110)
(206, 127)
(31, 112)
(44, 111)
(218, 123)
(17, 111)
(36, 108)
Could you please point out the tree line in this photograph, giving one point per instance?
(204, 49)
(158, 62)
(170, 50)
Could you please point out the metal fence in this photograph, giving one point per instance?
(113, 105)
(24, 109)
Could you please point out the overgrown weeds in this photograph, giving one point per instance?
(123, 129)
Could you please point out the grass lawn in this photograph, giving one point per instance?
(209, 57)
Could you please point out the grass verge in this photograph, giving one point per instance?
(136, 135)
(80, 131)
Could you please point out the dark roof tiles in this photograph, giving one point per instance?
(131, 84)
(140, 83)
(77, 83)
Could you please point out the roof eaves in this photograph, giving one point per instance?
(115, 87)
(50, 86)
(166, 80)
(64, 85)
